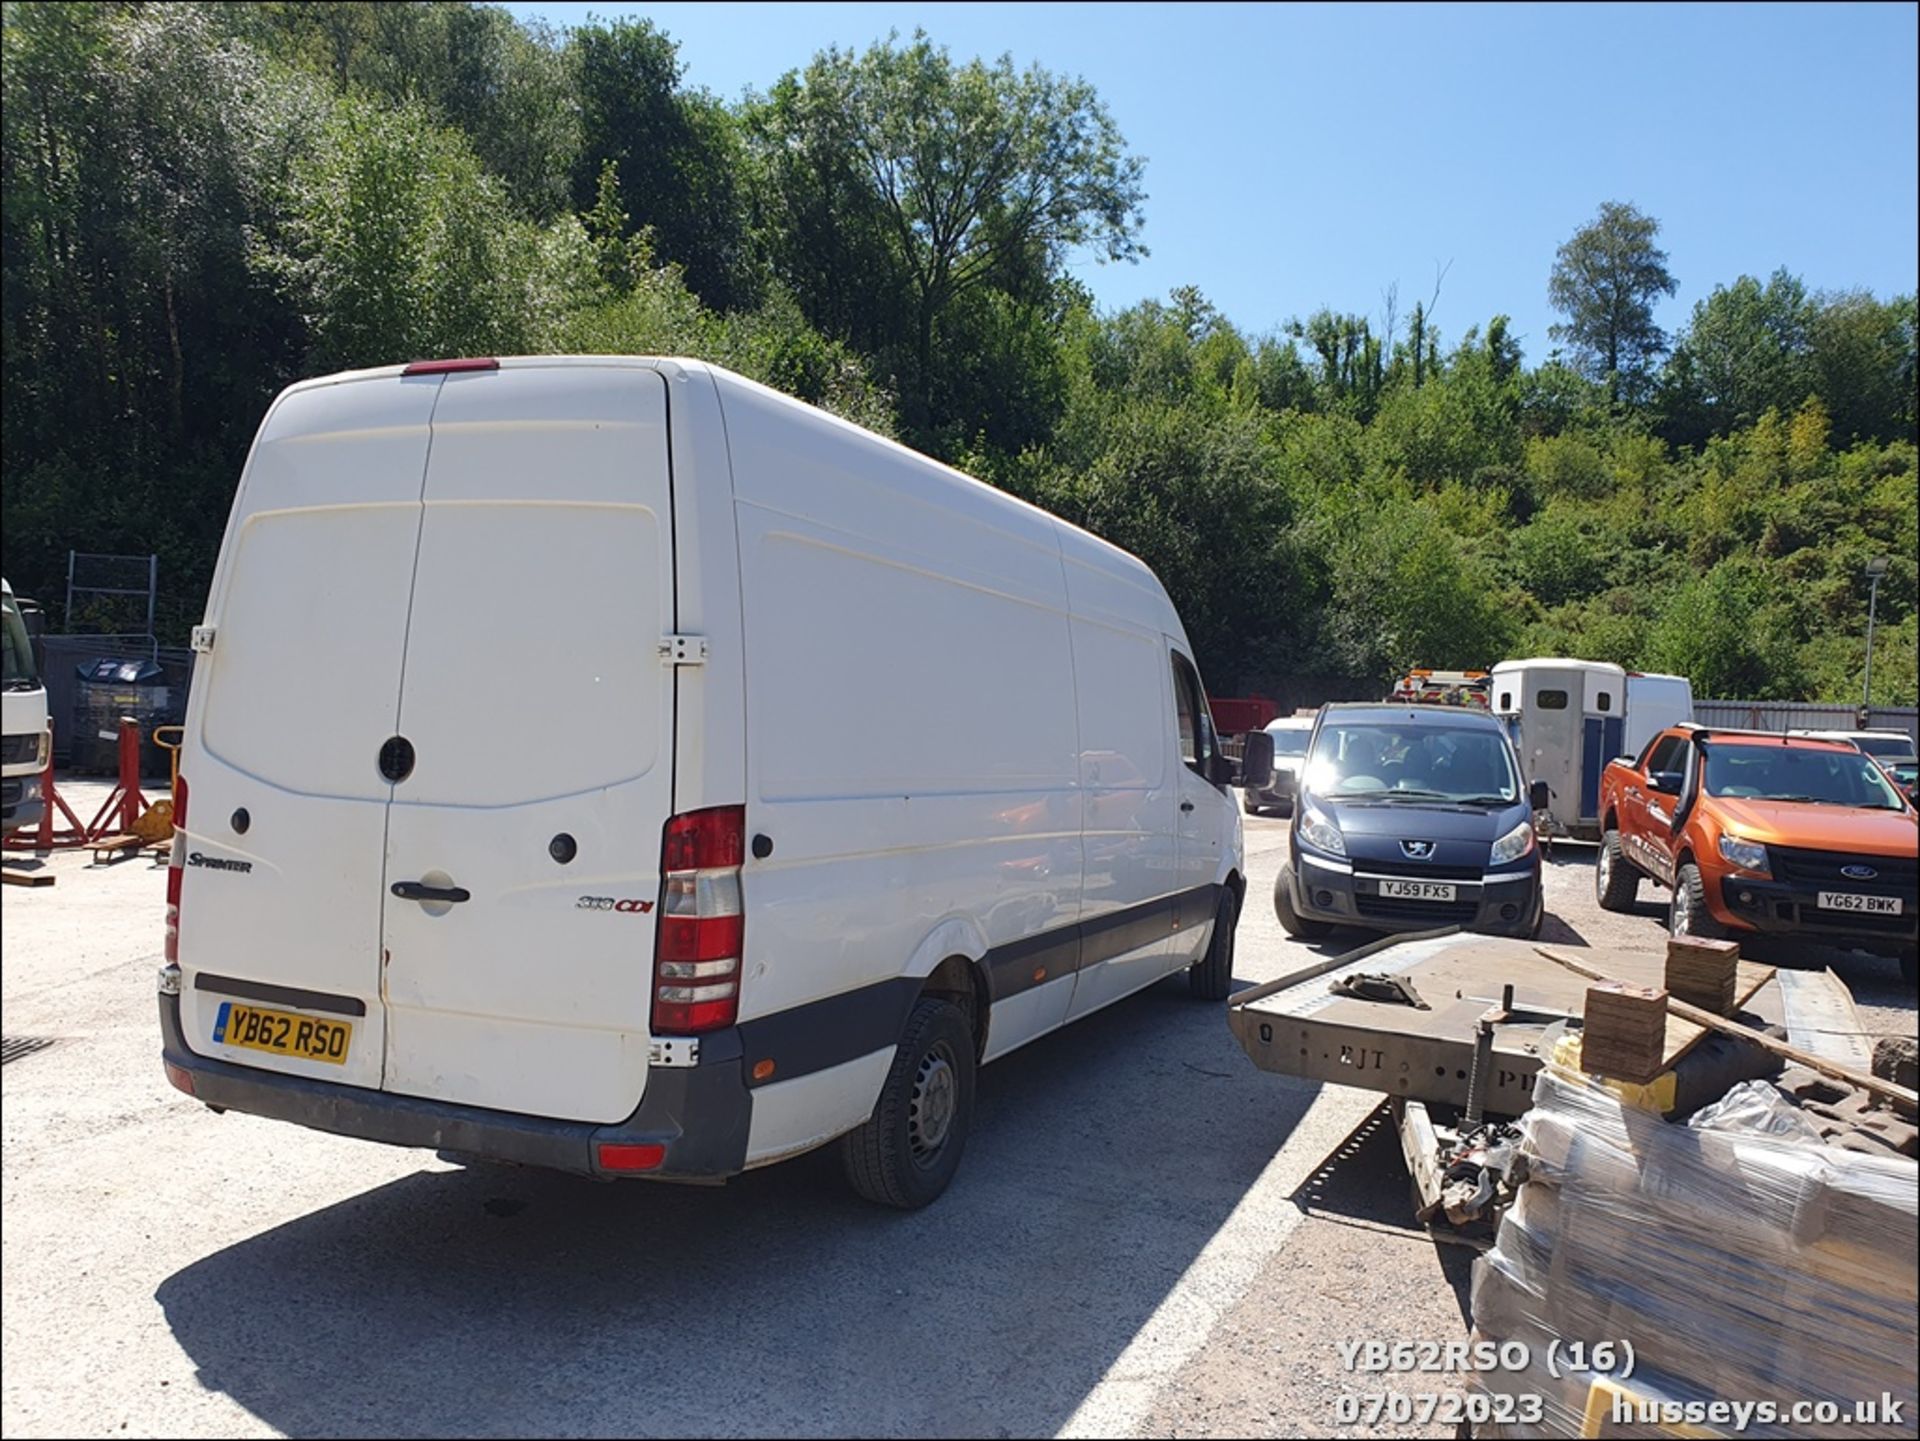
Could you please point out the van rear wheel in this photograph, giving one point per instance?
(1211, 977)
(908, 1150)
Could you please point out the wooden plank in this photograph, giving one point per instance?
(27, 878)
(1902, 1097)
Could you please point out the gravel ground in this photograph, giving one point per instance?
(1148, 1237)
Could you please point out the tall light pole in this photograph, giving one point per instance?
(1876, 568)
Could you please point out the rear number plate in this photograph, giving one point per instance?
(1417, 890)
(1872, 905)
(278, 1033)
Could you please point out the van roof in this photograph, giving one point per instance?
(1076, 544)
(1551, 662)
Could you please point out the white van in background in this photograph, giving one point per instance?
(24, 737)
(611, 764)
(1655, 702)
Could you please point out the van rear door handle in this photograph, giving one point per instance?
(417, 891)
(1186, 805)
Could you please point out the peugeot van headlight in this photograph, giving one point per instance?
(1319, 831)
(1514, 844)
(1748, 855)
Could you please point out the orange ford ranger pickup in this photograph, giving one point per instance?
(1755, 833)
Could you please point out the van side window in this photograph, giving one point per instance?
(1195, 720)
(1551, 700)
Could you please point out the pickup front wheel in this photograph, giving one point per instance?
(1688, 914)
(1616, 884)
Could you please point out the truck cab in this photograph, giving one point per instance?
(1755, 833)
(24, 738)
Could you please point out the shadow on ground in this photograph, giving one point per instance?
(1365, 1183)
(496, 1301)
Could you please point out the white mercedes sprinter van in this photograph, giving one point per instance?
(613, 765)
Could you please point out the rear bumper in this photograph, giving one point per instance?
(700, 1113)
(1506, 905)
(1778, 908)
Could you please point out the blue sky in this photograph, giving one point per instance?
(1300, 156)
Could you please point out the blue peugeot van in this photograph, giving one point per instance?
(1408, 818)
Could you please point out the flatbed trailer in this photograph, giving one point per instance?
(1463, 1023)
(1300, 1025)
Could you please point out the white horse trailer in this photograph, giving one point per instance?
(1568, 719)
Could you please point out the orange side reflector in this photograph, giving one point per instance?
(762, 1069)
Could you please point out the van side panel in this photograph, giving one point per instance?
(287, 716)
(538, 707)
(1127, 770)
(890, 610)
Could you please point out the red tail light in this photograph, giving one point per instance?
(176, 867)
(696, 964)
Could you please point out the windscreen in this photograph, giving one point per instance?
(20, 673)
(1885, 747)
(1290, 742)
(1384, 761)
(1790, 773)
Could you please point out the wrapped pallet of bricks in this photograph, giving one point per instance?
(1735, 1259)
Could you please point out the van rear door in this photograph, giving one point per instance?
(281, 851)
(523, 847)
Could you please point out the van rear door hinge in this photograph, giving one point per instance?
(203, 638)
(683, 650)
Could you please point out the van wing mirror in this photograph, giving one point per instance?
(1540, 796)
(1256, 761)
(1221, 769)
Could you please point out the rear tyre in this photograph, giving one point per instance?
(908, 1150)
(1291, 921)
(1687, 914)
(1211, 977)
(1616, 884)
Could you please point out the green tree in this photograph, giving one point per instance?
(680, 155)
(1747, 350)
(1864, 361)
(981, 174)
(1605, 281)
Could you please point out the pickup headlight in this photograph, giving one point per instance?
(1514, 844)
(1747, 855)
(1321, 833)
